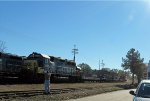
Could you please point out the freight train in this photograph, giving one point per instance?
(31, 68)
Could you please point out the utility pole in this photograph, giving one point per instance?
(102, 64)
(74, 51)
(99, 65)
(99, 68)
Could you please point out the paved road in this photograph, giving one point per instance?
(122, 95)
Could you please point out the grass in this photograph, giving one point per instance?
(79, 90)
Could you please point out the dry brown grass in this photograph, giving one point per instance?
(80, 90)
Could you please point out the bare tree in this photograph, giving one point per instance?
(2, 46)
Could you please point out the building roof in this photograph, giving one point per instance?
(45, 56)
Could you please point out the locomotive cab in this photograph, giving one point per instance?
(35, 64)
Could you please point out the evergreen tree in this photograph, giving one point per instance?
(133, 62)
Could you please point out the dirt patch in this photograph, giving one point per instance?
(59, 92)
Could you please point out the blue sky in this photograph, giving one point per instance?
(100, 30)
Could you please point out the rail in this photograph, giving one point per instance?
(13, 94)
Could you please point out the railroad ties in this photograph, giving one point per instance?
(14, 94)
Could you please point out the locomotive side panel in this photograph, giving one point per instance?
(63, 67)
(10, 65)
(70, 68)
(13, 65)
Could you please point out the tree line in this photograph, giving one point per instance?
(132, 64)
(105, 74)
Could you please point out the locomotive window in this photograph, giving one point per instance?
(46, 61)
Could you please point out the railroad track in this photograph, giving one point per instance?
(13, 94)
